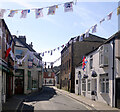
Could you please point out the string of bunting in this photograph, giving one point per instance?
(68, 7)
(93, 29)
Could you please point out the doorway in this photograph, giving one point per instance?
(117, 99)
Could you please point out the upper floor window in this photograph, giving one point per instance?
(91, 62)
(19, 53)
(103, 56)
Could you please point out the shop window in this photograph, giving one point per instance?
(83, 85)
(88, 87)
(29, 80)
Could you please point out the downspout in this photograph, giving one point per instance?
(113, 75)
(71, 77)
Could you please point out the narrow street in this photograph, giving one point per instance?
(51, 99)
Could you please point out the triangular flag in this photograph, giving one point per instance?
(75, 39)
(109, 16)
(87, 34)
(62, 46)
(94, 28)
(24, 13)
(51, 52)
(12, 13)
(38, 13)
(51, 10)
(81, 37)
(118, 10)
(68, 6)
(43, 54)
(58, 48)
(102, 20)
(2, 11)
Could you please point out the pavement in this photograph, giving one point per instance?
(14, 102)
(94, 105)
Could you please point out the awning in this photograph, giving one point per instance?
(94, 74)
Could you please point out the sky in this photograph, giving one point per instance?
(52, 31)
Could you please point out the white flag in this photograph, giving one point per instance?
(81, 38)
(51, 10)
(75, 39)
(94, 28)
(87, 33)
(38, 13)
(109, 16)
(12, 13)
(24, 13)
(2, 11)
(68, 7)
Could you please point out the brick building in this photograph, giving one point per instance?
(48, 76)
(71, 55)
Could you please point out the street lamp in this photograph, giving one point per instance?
(79, 86)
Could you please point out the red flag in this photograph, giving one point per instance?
(7, 52)
(9, 48)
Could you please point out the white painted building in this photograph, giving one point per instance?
(101, 76)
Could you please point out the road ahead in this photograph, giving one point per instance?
(51, 99)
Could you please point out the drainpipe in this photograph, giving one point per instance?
(113, 75)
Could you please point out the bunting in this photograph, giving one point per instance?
(94, 28)
(68, 7)
(38, 13)
(12, 13)
(24, 13)
(51, 10)
(2, 11)
(118, 10)
(109, 16)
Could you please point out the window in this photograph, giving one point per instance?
(91, 62)
(76, 81)
(29, 80)
(104, 85)
(103, 56)
(83, 85)
(69, 63)
(88, 88)
(19, 53)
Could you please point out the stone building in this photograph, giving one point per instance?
(28, 70)
(71, 55)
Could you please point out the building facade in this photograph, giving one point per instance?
(6, 63)
(49, 76)
(71, 55)
(28, 70)
(100, 80)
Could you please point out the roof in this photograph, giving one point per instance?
(27, 46)
(91, 38)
